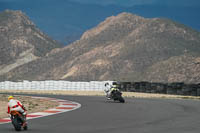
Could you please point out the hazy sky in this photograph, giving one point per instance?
(128, 2)
(143, 2)
(117, 2)
(60, 17)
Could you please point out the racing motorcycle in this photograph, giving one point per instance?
(17, 121)
(116, 95)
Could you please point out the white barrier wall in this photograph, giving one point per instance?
(54, 85)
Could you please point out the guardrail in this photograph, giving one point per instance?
(54, 85)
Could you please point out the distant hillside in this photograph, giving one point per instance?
(64, 21)
(21, 41)
(125, 47)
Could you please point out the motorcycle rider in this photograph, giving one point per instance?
(16, 105)
(109, 88)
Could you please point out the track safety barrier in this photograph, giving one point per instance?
(54, 85)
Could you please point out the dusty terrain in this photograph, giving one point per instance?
(31, 104)
(99, 93)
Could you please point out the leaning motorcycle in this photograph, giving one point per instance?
(116, 95)
(17, 121)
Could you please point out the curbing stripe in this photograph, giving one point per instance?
(30, 116)
(69, 104)
(51, 111)
(64, 106)
(67, 108)
(4, 120)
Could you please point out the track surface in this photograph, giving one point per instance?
(97, 115)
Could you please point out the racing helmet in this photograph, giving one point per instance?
(114, 86)
(10, 97)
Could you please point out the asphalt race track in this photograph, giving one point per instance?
(97, 115)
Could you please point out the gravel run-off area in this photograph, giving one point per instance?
(31, 104)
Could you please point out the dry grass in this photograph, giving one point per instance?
(100, 93)
(152, 95)
(57, 92)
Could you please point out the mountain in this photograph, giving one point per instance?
(183, 14)
(21, 41)
(125, 47)
(63, 20)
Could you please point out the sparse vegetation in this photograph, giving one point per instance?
(134, 49)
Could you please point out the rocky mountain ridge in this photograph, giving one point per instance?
(125, 47)
(21, 41)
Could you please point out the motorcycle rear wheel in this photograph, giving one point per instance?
(121, 99)
(26, 127)
(16, 124)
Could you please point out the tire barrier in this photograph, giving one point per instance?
(161, 88)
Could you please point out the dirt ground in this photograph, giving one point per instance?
(31, 104)
(99, 93)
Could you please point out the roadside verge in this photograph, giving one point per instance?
(64, 106)
(100, 93)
